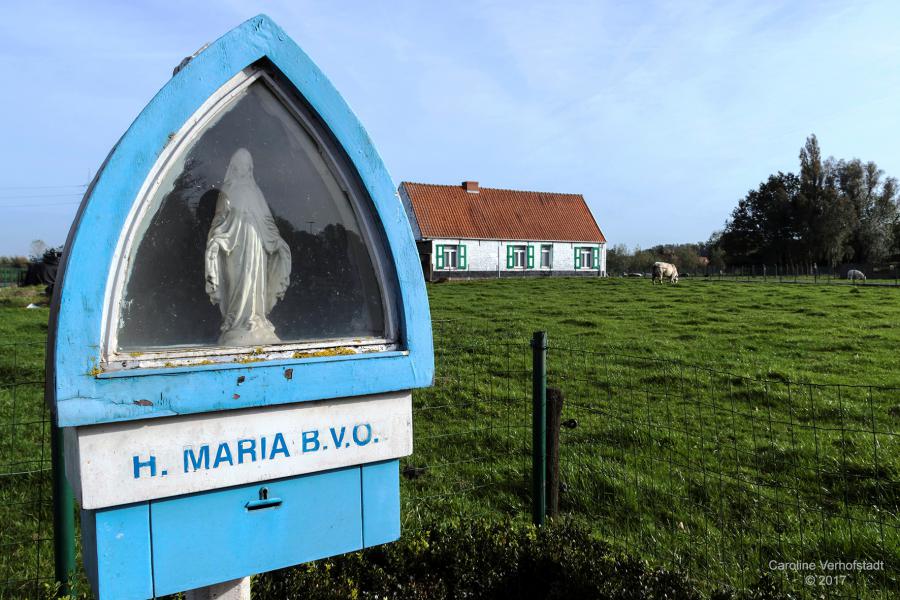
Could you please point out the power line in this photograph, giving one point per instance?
(41, 187)
(38, 205)
(19, 197)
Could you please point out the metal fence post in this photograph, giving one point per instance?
(63, 516)
(539, 427)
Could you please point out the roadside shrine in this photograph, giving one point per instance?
(240, 320)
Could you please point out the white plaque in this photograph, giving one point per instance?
(134, 461)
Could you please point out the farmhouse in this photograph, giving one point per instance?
(467, 231)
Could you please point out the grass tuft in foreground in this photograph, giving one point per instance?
(488, 560)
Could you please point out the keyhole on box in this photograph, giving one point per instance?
(264, 493)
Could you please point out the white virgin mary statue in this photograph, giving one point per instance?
(248, 264)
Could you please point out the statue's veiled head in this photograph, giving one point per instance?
(240, 167)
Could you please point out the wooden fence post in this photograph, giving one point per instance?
(554, 415)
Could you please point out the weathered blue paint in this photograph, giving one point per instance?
(116, 549)
(166, 546)
(212, 537)
(81, 396)
(381, 502)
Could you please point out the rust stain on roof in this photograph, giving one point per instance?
(449, 211)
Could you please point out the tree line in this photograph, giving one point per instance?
(40, 252)
(832, 211)
(691, 259)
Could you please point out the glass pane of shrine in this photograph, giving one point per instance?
(252, 239)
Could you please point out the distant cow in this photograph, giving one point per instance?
(854, 275)
(664, 269)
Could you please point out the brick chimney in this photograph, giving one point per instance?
(470, 186)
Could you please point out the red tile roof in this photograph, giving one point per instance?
(449, 211)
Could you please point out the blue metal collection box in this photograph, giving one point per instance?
(240, 321)
(189, 541)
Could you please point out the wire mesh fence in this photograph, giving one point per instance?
(11, 276)
(472, 431)
(26, 521)
(869, 274)
(730, 478)
(725, 478)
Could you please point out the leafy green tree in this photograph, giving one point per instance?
(14, 261)
(833, 211)
(689, 258)
(764, 226)
(618, 259)
(872, 198)
(823, 214)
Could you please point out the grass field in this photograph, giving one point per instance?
(824, 333)
(696, 446)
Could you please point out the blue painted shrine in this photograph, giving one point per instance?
(240, 269)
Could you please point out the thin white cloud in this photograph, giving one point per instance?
(661, 113)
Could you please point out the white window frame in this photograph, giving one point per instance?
(589, 264)
(549, 249)
(451, 250)
(523, 252)
(460, 257)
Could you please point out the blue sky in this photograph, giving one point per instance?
(663, 114)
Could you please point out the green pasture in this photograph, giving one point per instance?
(26, 521)
(824, 333)
(705, 439)
(711, 433)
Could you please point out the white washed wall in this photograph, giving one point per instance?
(490, 255)
(410, 214)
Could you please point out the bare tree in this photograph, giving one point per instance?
(38, 247)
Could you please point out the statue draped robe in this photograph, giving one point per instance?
(248, 264)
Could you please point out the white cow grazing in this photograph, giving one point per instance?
(854, 275)
(664, 269)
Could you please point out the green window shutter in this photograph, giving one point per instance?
(439, 257)
(462, 257)
(596, 257)
(577, 257)
(530, 257)
(510, 260)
